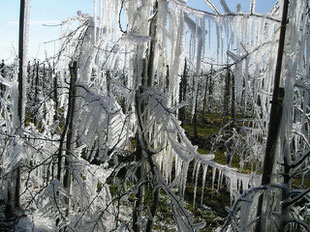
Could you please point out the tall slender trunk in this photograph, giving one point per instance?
(139, 196)
(204, 105)
(69, 119)
(210, 88)
(275, 117)
(43, 75)
(195, 113)
(36, 92)
(142, 137)
(226, 97)
(55, 95)
(21, 98)
(67, 138)
(21, 62)
(2, 87)
(233, 116)
(182, 93)
(71, 130)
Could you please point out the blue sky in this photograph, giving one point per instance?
(54, 11)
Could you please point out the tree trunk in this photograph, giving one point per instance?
(153, 209)
(2, 87)
(195, 113)
(233, 116)
(55, 96)
(21, 99)
(182, 94)
(36, 92)
(226, 98)
(21, 63)
(210, 89)
(142, 137)
(204, 105)
(275, 118)
(71, 130)
(67, 137)
(139, 196)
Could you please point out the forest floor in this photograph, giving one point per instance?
(212, 209)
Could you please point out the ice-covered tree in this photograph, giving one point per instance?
(105, 148)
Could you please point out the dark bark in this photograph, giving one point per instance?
(21, 60)
(233, 116)
(156, 193)
(67, 138)
(21, 96)
(108, 81)
(43, 77)
(142, 137)
(69, 119)
(204, 105)
(139, 196)
(226, 97)
(182, 93)
(2, 87)
(36, 88)
(153, 210)
(28, 72)
(210, 88)
(2, 68)
(123, 99)
(152, 44)
(195, 113)
(55, 96)
(167, 80)
(275, 116)
(71, 131)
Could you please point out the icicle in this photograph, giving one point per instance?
(213, 176)
(233, 187)
(101, 12)
(198, 65)
(209, 33)
(177, 51)
(204, 177)
(184, 179)
(246, 80)
(220, 176)
(196, 182)
(203, 35)
(245, 184)
(218, 36)
(95, 21)
(194, 169)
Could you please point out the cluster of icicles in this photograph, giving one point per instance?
(242, 40)
(245, 42)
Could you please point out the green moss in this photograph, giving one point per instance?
(297, 182)
(204, 131)
(113, 190)
(213, 209)
(99, 187)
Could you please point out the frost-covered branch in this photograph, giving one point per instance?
(300, 160)
(225, 7)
